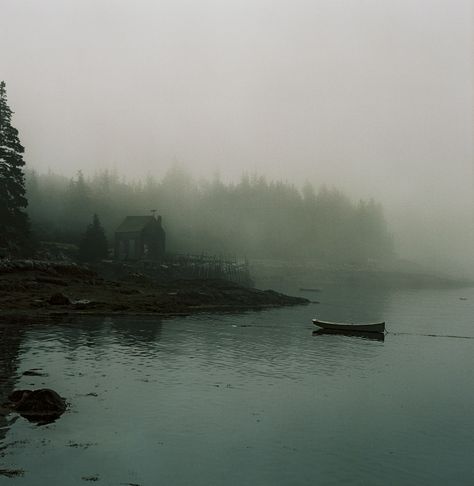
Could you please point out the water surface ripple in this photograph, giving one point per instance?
(253, 398)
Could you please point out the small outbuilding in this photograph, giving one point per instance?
(140, 238)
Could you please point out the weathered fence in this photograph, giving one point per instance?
(202, 266)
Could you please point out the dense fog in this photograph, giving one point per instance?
(373, 98)
(255, 218)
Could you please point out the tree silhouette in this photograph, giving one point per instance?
(253, 217)
(14, 225)
(93, 246)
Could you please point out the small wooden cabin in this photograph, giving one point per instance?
(140, 238)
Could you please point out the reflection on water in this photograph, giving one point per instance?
(374, 336)
(10, 341)
(256, 398)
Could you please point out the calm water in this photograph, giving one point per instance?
(251, 399)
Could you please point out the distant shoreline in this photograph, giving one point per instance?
(313, 274)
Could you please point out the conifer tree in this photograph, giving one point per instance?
(14, 225)
(93, 246)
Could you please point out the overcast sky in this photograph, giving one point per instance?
(373, 96)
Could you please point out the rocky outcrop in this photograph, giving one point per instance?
(43, 405)
(38, 288)
(59, 299)
(49, 267)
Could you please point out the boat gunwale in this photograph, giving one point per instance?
(352, 327)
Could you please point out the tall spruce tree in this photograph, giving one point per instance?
(93, 246)
(14, 225)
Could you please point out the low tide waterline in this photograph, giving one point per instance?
(251, 399)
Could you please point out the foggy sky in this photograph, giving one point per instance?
(373, 96)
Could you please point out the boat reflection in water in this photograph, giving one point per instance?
(374, 336)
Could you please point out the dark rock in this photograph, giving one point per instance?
(129, 291)
(34, 373)
(52, 281)
(12, 473)
(43, 405)
(59, 299)
(120, 307)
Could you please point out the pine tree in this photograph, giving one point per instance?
(78, 205)
(14, 224)
(93, 246)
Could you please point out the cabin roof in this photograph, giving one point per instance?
(134, 224)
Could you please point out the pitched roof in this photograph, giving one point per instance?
(134, 224)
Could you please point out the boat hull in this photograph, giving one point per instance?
(345, 327)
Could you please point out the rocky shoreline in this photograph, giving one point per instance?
(36, 289)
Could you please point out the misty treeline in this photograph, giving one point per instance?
(254, 217)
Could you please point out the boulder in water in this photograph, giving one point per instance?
(43, 405)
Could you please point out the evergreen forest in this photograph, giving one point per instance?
(255, 217)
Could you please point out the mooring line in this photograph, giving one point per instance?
(430, 335)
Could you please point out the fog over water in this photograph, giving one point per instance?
(372, 96)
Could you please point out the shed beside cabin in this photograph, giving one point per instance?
(140, 238)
